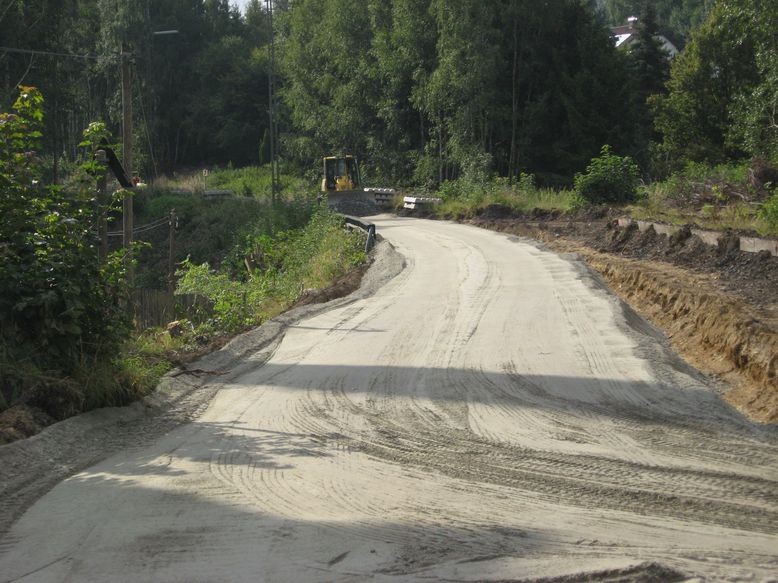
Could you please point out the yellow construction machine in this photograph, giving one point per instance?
(341, 182)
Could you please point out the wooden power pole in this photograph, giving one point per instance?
(127, 210)
(127, 137)
(274, 170)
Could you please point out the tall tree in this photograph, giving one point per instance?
(676, 19)
(722, 87)
(649, 71)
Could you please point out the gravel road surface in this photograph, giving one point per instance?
(493, 413)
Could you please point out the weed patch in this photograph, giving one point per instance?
(464, 198)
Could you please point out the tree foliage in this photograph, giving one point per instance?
(59, 307)
(422, 90)
(608, 179)
(199, 95)
(433, 90)
(723, 91)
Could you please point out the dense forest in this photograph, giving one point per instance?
(676, 19)
(421, 90)
(200, 95)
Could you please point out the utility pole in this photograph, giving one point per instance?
(171, 264)
(274, 172)
(127, 210)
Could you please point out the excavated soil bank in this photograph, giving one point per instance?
(718, 305)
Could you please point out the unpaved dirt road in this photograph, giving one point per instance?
(492, 413)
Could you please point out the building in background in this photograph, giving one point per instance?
(626, 34)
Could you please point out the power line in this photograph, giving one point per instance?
(53, 54)
(143, 228)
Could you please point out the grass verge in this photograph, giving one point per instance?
(278, 271)
(738, 196)
(463, 199)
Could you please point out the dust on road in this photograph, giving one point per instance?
(491, 413)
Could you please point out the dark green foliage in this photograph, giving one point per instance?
(608, 179)
(723, 88)
(676, 19)
(649, 66)
(422, 90)
(429, 90)
(198, 96)
(649, 63)
(59, 307)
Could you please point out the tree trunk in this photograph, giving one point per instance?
(514, 99)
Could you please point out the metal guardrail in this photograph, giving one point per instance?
(366, 226)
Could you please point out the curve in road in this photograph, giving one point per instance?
(493, 412)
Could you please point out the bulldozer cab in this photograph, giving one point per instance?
(341, 173)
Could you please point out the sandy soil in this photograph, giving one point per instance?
(717, 304)
(492, 412)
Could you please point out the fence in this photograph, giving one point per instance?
(158, 308)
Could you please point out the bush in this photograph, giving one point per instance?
(769, 212)
(283, 266)
(608, 179)
(60, 307)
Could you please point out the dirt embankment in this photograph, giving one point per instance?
(718, 305)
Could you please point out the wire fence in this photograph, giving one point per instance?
(154, 307)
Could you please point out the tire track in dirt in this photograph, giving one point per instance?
(492, 413)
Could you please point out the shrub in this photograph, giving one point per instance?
(286, 264)
(60, 307)
(769, 212)
(608, 179)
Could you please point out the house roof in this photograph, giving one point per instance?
(623, 29)
(626, 34)
(622, 38)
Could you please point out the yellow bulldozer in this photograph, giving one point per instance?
(341, 174)
(341, 182)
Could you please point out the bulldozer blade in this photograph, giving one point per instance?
(348, 196)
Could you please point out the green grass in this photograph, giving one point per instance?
(250, 181)
(465, 199)
(306, 258)
(701, 195)
(256, 181)
(207, 228)
(285, 264)
(147, 356)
